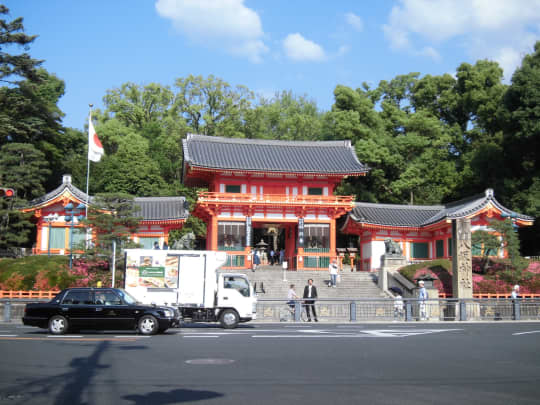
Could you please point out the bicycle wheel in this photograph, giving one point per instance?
(284, 315)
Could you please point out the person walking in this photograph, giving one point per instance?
(156, 245)
(281, 256)
(256, 260)
(310, 291)
(272, 256)
(333, 270)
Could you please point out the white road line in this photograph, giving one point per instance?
(8, 335)
(65, 336)
(526, 333)
(313, 336)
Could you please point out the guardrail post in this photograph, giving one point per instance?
(7, 311)
(297, 311)
(517, 310)
(408, 311)
(462, 311)
(353, 311)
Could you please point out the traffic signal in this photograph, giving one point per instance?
(7, 192)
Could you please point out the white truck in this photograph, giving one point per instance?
(190, 281)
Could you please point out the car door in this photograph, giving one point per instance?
(77, 306)
(113, 312)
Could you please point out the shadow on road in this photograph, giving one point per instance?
(172, 397)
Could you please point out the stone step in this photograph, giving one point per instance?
(352, 284)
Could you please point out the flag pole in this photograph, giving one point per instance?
(88, 162)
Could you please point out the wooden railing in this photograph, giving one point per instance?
(239, 198)
(27, 294)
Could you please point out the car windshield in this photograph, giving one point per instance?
(129, 299)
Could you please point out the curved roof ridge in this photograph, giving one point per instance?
(274, 142)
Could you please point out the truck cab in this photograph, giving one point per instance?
(235, 291)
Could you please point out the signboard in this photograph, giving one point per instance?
(301, 232)
(151, 271)
(248, 231)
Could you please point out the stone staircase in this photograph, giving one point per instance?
(352, 285)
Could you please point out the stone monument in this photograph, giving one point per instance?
(462, 285)
(391, 260)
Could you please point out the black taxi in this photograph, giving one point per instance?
(74, 309)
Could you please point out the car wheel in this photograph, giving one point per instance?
(58, 325)
(148, 325)
(229, 319)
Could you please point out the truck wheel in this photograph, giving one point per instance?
(58, 325)
(148, 325)
(229, 319)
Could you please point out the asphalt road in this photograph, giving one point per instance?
(276, 364)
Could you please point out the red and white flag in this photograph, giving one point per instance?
(95, 149)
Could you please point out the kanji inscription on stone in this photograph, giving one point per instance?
(462, 259)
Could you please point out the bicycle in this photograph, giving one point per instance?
(287, 313)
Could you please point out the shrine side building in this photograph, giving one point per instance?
(279, 195)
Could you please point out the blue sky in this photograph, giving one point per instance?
(306, 46)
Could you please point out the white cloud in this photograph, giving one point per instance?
(343, 50)
(430, 52)
(494, 29)
(354, 21)
(299, 49)
(227, 24)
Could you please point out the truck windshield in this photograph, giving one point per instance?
(127, 297)
(237, 283)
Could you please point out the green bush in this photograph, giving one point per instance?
(21, 274)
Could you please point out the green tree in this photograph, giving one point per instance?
(487, 244)
(112, 218)
(211, 106)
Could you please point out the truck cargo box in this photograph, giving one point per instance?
(165, 277)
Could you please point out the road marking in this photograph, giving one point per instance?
(65, 336)
(133, 337)
(313, 336)
(71, 340)
(8, 335)
(404, 333)
(526, 333)
(188, 336)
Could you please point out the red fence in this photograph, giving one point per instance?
(27, 294)
(492, 295)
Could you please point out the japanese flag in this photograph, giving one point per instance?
(95, 149)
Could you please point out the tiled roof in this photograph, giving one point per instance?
(421, 215)
(329, 157)
(150, 208)
(161, 208)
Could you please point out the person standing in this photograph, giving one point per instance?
(398, 307)
(422, 297)
(281, 256)
(291, 296)
(333, 270)
(310, 291)
(156, 245)
(272, 257)
(515, 296)
(165, 246)
(515, 292)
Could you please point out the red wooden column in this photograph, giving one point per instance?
(212, 232)
(333, 237)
